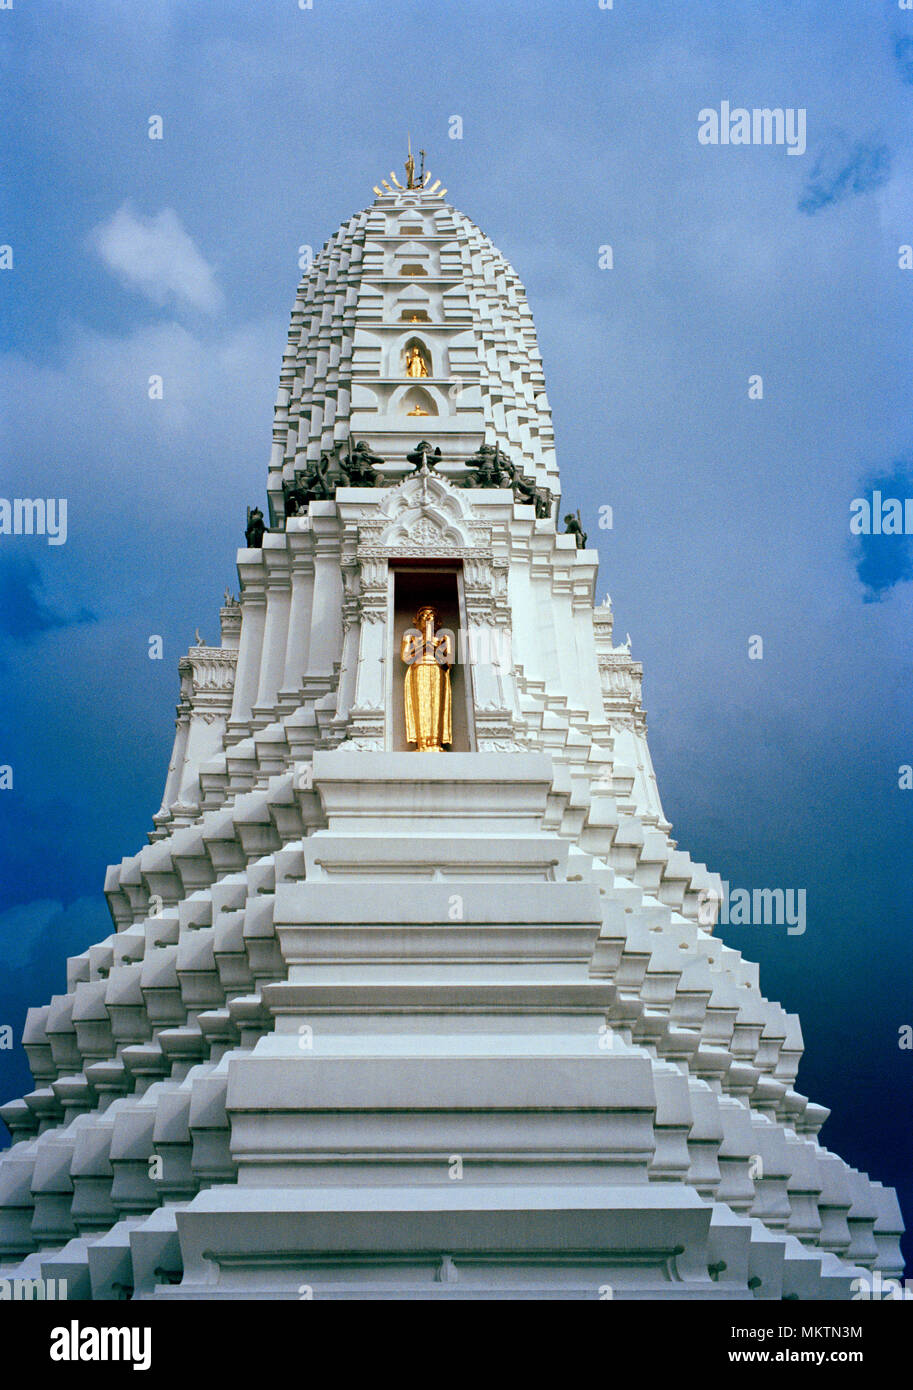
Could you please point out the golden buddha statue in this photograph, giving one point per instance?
(428, 707)
(415, 362)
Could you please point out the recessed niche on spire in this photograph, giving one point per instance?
(417, 359)
(418, 402)
(412, 260)
(413, 304)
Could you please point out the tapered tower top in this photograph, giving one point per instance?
(410, 325)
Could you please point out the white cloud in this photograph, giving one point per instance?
(156, 256)
(218, 386)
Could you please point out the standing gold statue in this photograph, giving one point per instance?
(411, 180)
(428, 708)
(415, 362)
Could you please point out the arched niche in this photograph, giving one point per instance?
(418, 402)
(416, 354)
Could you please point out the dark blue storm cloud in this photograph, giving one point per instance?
(883, 561)
(24, 614)
(903, 53)
(842, 169)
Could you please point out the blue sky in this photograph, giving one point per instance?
(179, 257)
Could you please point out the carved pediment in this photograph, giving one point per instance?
(426, 531)
(425, 514)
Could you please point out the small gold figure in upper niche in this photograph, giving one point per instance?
(415, 362)
(429, 656)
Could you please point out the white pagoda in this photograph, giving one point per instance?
(378, 1022)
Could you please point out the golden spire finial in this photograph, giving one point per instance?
(416, 183)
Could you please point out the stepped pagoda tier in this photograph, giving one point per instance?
(411, 994)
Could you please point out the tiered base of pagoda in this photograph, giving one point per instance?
(451, 1241)
(427, 1047)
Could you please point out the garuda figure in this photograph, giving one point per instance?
(527, 493)
(543, 503)
(256, 526)
(312, 484)
(490, 468)
(573, 526)
(359, 466)
(423, 456)
(295, 501)
(317, 484)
